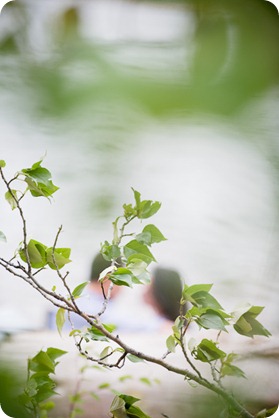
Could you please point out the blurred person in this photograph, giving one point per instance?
(164, 294)
(92, 299)
(125, 310)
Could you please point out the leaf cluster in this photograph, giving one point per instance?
(123, 407)
(37, 180)
(135, 254)
(208, 313)
(40, 386)
(40, 256)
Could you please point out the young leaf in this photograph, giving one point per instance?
(125, 377)
(60, 319)
(96, 335)
(138, 269)
(132, 410)
(104, 386)
(148, 209)
(105, 353)
(171, 342)
(156, 235)
(191, 290)
(129, 211)
(110, 251)
(61, 257)
(10, 196)
(144, 238)
(47, 406)
(2, 164)
(3, 237)
(37, 254)
(41, 363)
(246, 323)
(205, 300)
(55, 353)
(79, 289)
(212, 320)
(208, 351)
(38, 180)
(231, 370)
(137, 199)
(134, 359)
(122, 277)
(135, 248)
(117, 408)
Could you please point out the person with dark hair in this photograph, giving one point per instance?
(164, 293)
(98, 266)
(128, 314)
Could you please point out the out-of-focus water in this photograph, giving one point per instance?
(215, 177)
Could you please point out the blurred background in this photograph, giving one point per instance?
(177, 99)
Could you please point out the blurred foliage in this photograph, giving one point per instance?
(234, 59)
(59, 70)
(11, 384)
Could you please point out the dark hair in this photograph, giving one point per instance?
(167, 290)
(99, 264)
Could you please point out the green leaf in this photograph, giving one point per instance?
(122, 277)
(3, 237)
(110, 328)
(212, 320)
(10, 196)
(61, 257)
(105, 353)
(126, 377)
(129, 400)
(47, 405)
(146, 381)
(144, 238)
(208, 351)
(205, 300)
(129, 211)
(110, 251)
(132, 410)
(231, 370)
(148, 209)
(38, 180)
(2, 164)
(156, 235)
(55, 353)
(39, 189)
(150, 235)
(246, 323)
(138, 250)
(134, 359)
(171, 343)
(60, 319)
(97, 335)
(37, 254)
(136, 412)
(137, 198)
(41, 363)
(117, 408)
(190, 290)
(115, 231)
(79, 289)
(138, 269)
(104, 386)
